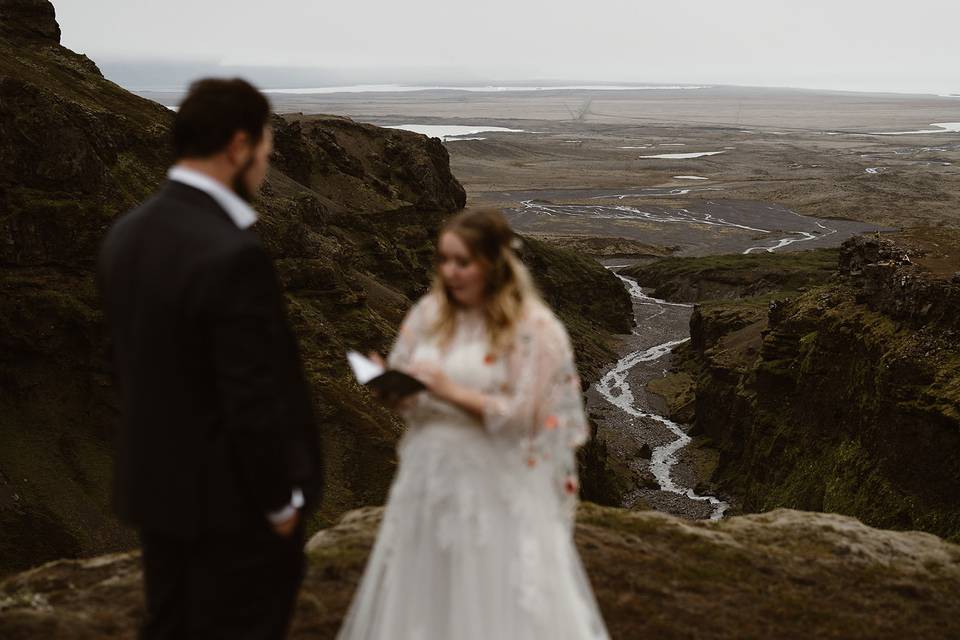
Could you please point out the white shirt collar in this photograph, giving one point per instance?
(239, 211)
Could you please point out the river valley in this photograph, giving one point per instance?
(661, 462)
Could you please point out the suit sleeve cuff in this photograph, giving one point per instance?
(282, 515)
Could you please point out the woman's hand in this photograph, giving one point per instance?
(392, 401)
(433, 377)
(441, 386)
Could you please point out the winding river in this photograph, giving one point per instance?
(615, 387)
(703, 218)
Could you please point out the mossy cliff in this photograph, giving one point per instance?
(843, 397)
(692, 279)
(350, 213)
(783, 574)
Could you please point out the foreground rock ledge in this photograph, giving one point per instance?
(781, 574)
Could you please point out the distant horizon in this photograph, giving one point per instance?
(820, 45)
(172, 75)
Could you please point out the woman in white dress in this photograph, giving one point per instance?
(477, 535)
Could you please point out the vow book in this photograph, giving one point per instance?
(386, 381)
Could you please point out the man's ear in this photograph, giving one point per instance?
(239, 149)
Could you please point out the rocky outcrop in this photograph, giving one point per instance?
(365, 167)
(888, 280)
(350, 214)
(784, 574)
(29, 20)
(844, 398)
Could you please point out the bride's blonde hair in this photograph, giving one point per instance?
(509, 286)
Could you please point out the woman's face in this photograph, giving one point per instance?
(462, 274)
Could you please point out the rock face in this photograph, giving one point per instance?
(31, 20)
(783, 574)
(890, 282)
(367, 168)
(844, 398)
(75, 151)
(350, 213)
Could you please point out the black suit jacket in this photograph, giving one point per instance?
(217, 424)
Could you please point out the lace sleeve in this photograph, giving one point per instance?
(541, 401)
(411, 329)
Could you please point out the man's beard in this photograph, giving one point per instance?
(240, 185)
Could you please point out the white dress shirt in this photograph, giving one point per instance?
(243, 216)
(236, 207)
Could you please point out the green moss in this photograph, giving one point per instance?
(130, 174)
(703, 278)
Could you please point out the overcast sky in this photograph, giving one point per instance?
(830, 44)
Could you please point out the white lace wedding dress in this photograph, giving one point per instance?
(476, 541)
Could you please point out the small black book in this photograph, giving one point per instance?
(389, 382)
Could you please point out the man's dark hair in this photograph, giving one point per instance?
(213, 111)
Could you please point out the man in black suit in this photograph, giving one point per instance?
(218, 450)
